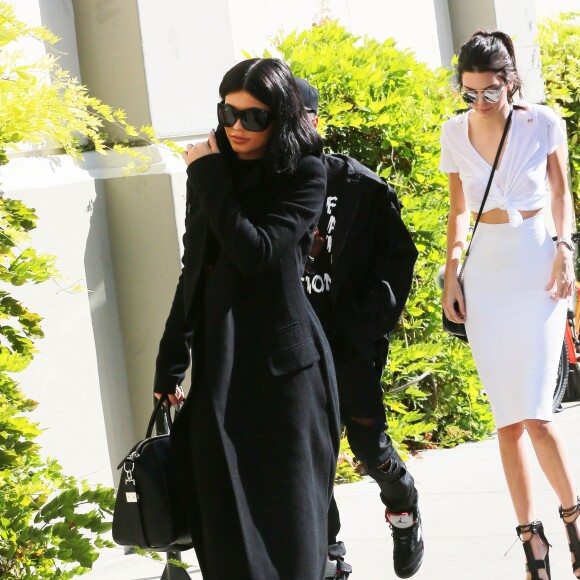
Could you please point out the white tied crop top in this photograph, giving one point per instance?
(519, 183)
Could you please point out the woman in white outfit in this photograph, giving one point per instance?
(516, 280)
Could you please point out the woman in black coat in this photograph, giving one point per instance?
(257, 439)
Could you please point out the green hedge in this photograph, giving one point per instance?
(559, 40)
(383, 107)
(51, 524)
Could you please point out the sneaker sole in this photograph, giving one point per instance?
(410, 573)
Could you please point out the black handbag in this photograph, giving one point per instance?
(148, 512)
(457, 329)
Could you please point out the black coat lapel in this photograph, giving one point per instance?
(248, 193)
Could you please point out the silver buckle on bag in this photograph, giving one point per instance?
(131, 496)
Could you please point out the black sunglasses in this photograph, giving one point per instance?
(252, 119)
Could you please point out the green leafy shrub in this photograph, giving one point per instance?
(51, 525)
(384, 108)
(41, 103)
(347, 468)
(559, 40)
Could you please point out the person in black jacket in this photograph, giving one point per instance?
(256, 442)
(357, 278)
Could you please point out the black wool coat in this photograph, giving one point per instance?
(263, 401)
(373, 256)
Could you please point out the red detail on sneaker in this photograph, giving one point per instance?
(401, 520)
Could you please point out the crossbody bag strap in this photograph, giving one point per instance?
(495, 162)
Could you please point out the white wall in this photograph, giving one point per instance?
(146, 216)
(412, 23)
(548, 8)
(518, 19)
(29, 12)
(58, 17)
(83, 401)
(186, 52)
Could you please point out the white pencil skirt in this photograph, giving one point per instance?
(515, 328)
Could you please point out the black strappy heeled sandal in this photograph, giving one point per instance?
(534, 566)
(573, 540)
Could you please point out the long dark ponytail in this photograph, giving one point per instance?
(490, 51)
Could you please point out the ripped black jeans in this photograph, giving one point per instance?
(373, 448)
(361, 398)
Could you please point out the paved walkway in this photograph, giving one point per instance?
(468, 520)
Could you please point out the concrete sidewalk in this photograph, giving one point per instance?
(468, 519)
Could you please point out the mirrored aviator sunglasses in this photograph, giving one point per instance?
(252, 119)
(489, 95)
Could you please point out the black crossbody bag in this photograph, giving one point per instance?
(457, 329)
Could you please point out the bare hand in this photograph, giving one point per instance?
(177, 399)
(562, 274)
(194, 152)
(452, 301)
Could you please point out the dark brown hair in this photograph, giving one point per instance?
(490, 52)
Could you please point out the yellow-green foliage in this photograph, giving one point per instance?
(559, 40)
(347, 468)
(51, 525)
(49, 522)
(384, 108)
(41, 103)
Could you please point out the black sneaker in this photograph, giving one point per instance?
(336, 567)
(408, 546)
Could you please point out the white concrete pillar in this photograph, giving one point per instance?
(163, 66)
(58, 17)
(146, 216)
(78, 375)
(161, 63)
(186, 51)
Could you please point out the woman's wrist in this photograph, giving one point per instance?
(565, 242)
(564, 250)
(451, 268)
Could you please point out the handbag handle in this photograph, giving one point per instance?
(495, 162)
(160, 410)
